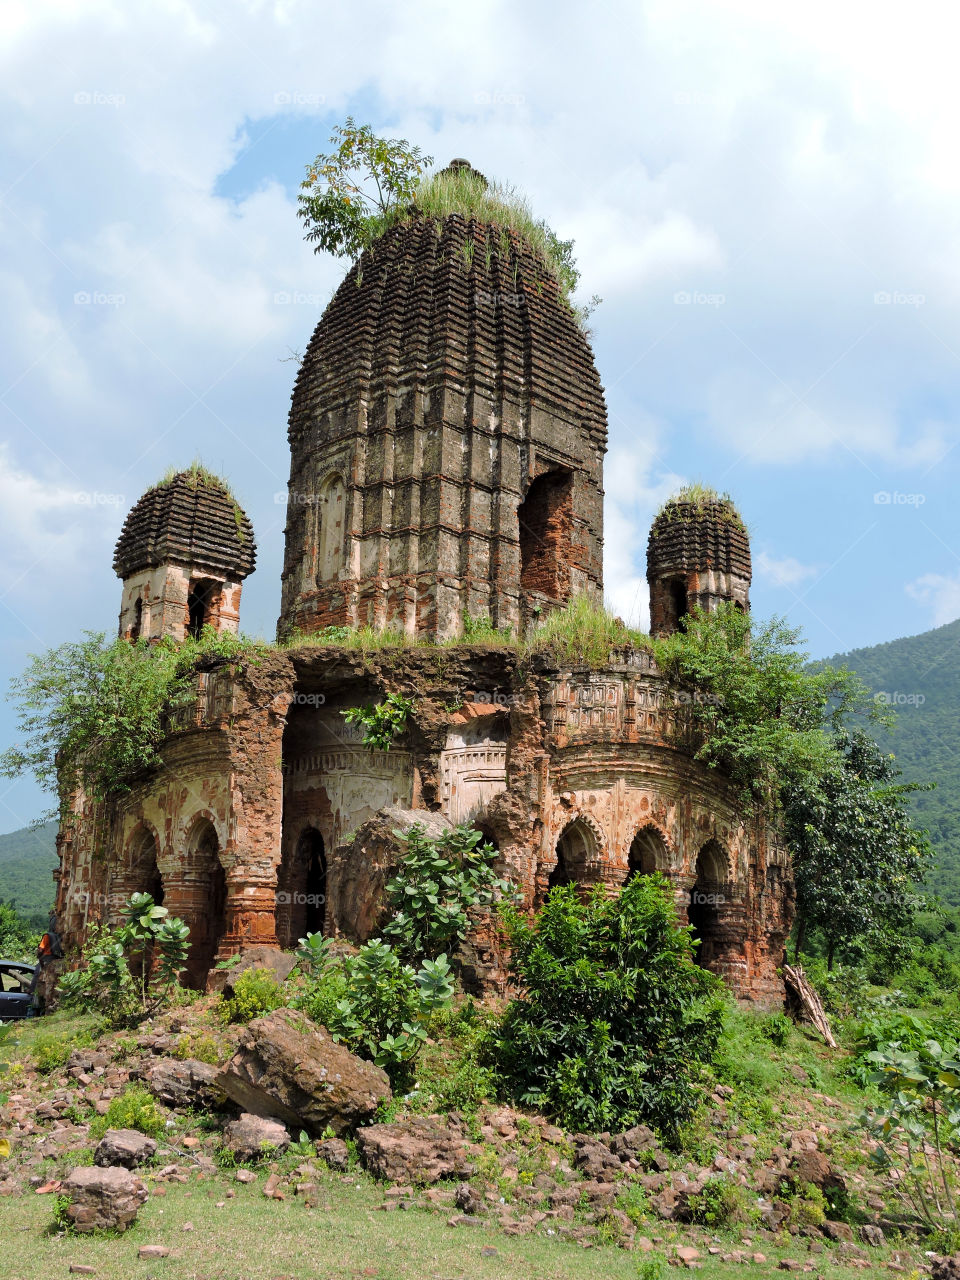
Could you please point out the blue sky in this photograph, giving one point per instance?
(766, 200)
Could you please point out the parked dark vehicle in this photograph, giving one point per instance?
(17, 983)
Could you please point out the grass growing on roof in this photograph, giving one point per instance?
(583, 633)
(704, 499)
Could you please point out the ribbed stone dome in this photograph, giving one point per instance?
(447, 384)
(460, 299)
(190, 519)
(697, 536)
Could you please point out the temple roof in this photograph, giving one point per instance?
(452, 300)
(699, 534)
(191, 518)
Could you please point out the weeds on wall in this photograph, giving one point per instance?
(92, 714)
(383, 722)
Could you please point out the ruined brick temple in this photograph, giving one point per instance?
(447, 434)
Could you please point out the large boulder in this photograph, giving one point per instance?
(287, 1068)
(359, 871)
(125, 1148)
(420, 1150)
(183, 1085)
(103, 1199)
(252, 1137)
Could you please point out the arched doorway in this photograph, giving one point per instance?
(204, 900)
(707, 899)
(302, 889)
(576, 849)
(648, 853)
(141, 874)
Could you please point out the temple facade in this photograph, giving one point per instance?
(447, 435)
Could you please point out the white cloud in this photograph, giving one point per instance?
(940, 593)
(784, 572)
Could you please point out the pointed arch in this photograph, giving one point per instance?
(649, 852)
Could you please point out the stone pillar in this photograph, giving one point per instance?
(187, 895)
(250, 911)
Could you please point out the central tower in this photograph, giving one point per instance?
(447, 435)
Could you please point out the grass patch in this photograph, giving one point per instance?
(705, 500)
(583, 634)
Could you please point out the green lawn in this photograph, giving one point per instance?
(249, 1237)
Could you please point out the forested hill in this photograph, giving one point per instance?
(920, 677)
(27, 860)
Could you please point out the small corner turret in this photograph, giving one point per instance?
(182, 554)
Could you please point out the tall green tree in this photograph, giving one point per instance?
(857, 856)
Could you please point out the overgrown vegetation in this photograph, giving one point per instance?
(18, 939)
(253, 993)
(383, 722)
(366, 184)
(582, 634)
(704, 499)
(376, 1005)
(93, 713)
(132, 972)
(614, 1020)
(439, 882)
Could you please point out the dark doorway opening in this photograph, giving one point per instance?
(707, 898)
(199, 601)
(302, 889)
(546, 536)
(679, 603)
(648, 853)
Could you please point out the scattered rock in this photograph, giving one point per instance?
(421, 1150)
(153, 1251)
(81, 1269)
(253, 1137)
(124, 1147)
(468, 1200)
(838, 1231)
(596, 1160)
(287, 1067)
(814, 1168)
(873, 1235)
(629, 1144)
(183, 1085)
(103, 1199)
(947, 1268)
(335, 1154)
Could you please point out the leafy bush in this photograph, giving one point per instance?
(722, 1204)
(93, 712)
(884, 1026)
(255, 992)
(460, 1073)
(383, 723)
(200, 1048)
(18, 939)
(918, 1130)
(615, 1020)
(131, 972)
(51, 1052)
(135, 1108)
(436, 885)
(377, 1006)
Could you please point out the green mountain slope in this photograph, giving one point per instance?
(919, 676)
(27, 859)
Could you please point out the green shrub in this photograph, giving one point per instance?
(51, 1052)
(199, 1047)
(132, 972)
(255, 992)
(372, 1002)
(135, 1108)
(615, 1021)
(383, 722)
(723, 1204)
(438, 882)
